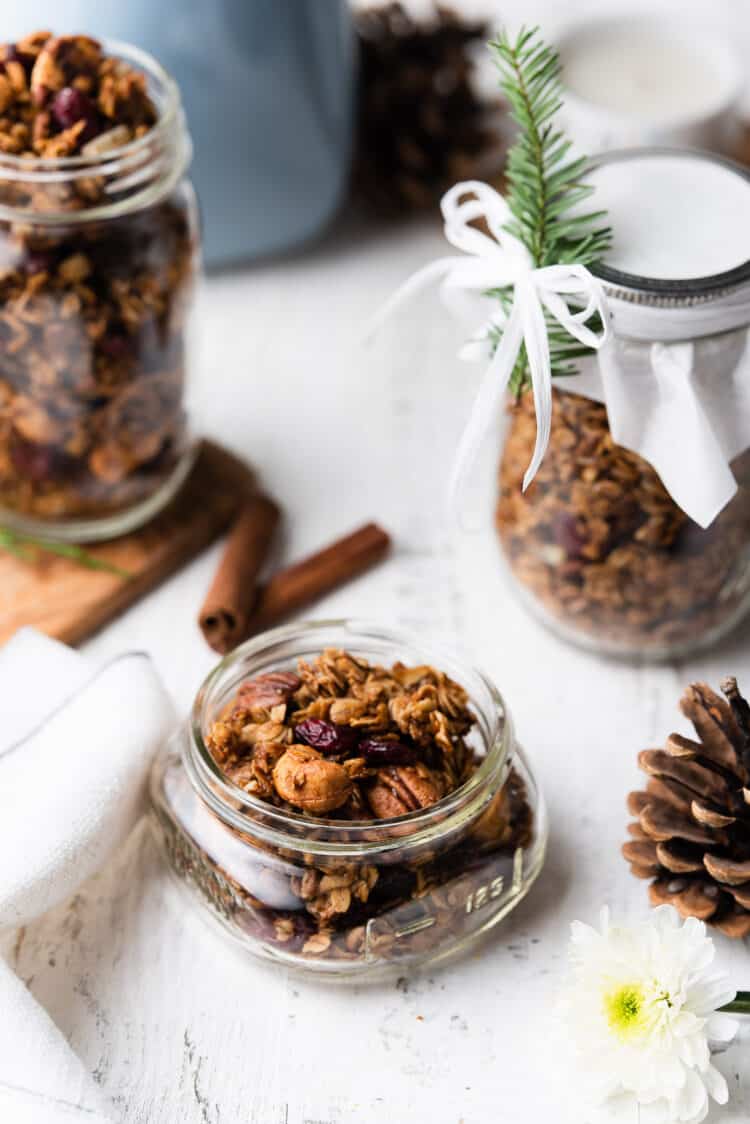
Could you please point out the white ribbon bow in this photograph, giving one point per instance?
(495, 261)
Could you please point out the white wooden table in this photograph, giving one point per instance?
(175, 1023)
(178, 1026)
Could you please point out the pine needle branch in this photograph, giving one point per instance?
(27, 548)
(545, 186)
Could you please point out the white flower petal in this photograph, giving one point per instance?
(707, 994)
(638, 1014)
(694, 1050)
(664, 918)
(622, 1108)
(657, 1112)
(721, 1028)
(716, 1085)
(583, 934)
(692, 1103)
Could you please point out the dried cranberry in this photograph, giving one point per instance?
(567, 534)
(116, 345)
(326, 736)
(35, 462)
(382, 751)
(38, 261)
(70, 106)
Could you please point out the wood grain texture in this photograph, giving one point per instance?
(71, 603)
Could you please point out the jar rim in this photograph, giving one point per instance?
(168, 135)
(323, 836)
(670, 292)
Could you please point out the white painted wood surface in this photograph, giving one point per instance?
(177, 1025)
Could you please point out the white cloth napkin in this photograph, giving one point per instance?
(75, 744)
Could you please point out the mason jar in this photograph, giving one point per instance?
(417, 887)
(598, 545)
(99, 254)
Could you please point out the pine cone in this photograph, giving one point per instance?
(421, 124)
(692, 832)
(742, 148)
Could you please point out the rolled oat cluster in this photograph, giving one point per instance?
(92, 309)
(600, 544)
(60, 95)
(345, 740)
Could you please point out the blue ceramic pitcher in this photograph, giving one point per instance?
(268, 88)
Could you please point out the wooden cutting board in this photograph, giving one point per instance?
(70, 602)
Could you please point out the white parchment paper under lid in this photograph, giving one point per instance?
(675, 375)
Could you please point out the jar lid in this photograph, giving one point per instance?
(680, 225)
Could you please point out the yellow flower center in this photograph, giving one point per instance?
(627, 1011)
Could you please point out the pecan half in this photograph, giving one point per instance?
(403, 789)
(268, 690)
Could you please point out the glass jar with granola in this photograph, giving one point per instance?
(99, 252)
(634, 536)
(346, 802)
(600, 549)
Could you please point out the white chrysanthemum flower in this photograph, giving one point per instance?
(639, 1010)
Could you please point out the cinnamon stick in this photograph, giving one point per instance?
(297, 586)
(234, 591)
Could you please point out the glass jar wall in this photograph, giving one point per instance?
(99, 254)
(344, 897)
(600, 549)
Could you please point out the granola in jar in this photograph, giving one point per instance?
(345, 812)
(98, 257)
(601, 547)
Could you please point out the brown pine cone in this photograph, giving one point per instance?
(742, 146)
(421, 124)
(692, 831)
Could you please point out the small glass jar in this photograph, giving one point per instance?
(597, 545)
(99, 255)
(435, 879)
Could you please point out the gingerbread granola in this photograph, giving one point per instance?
(341, 739)
(61, 95)
(599, 543)
(92, 312)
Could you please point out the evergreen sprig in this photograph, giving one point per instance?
(26, 548)
(545, 186)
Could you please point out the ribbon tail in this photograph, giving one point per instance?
(485, 407)
(419, 280)
(537, 352)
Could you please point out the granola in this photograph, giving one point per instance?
(344, 740)
(598, 541)
(92, 311)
